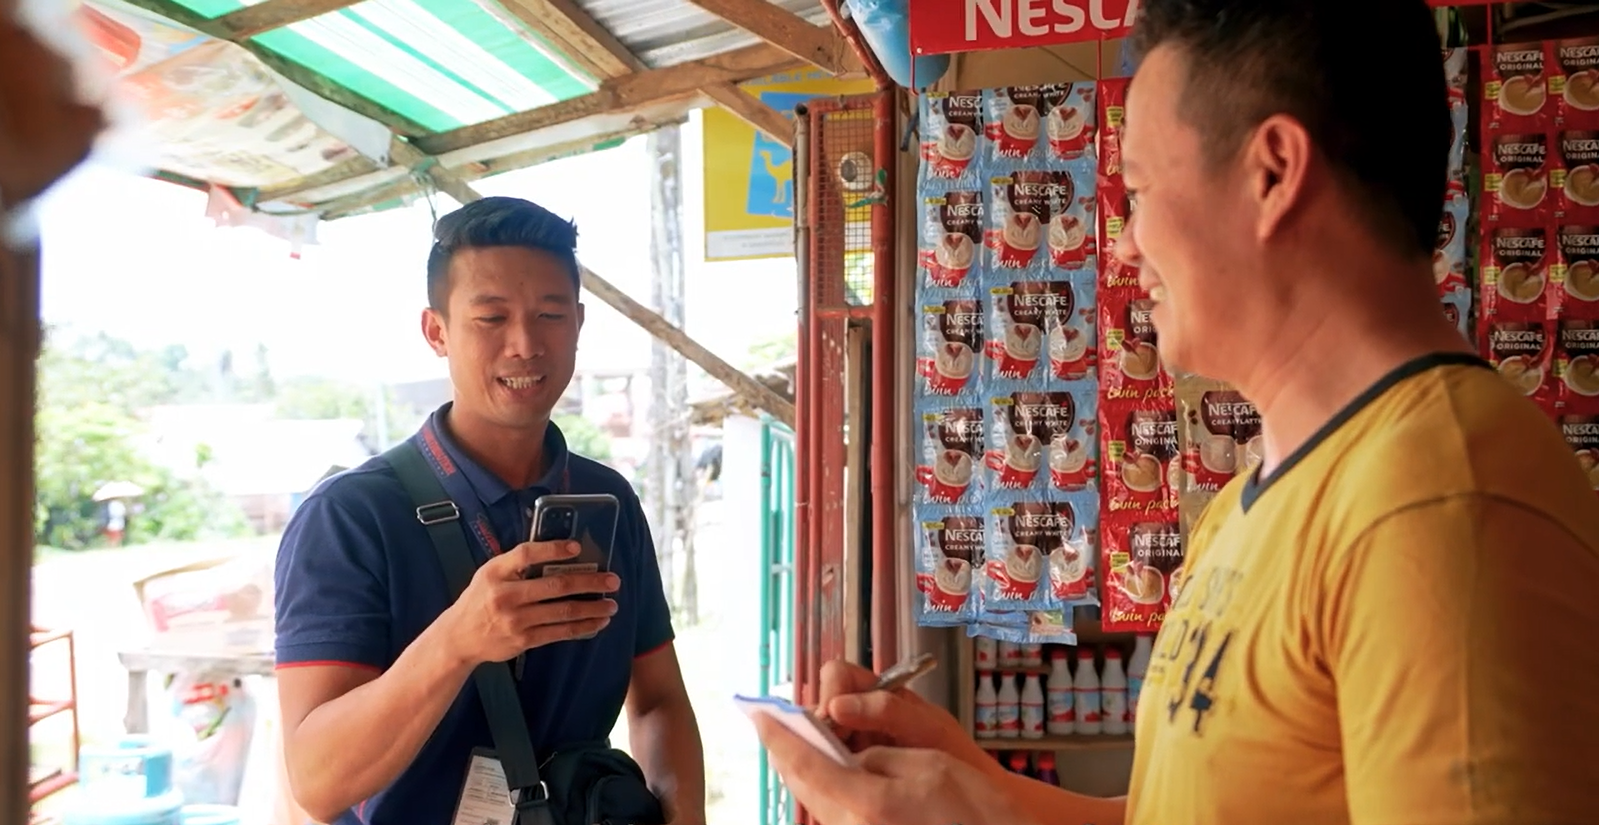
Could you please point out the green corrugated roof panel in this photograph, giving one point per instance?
(441, 63)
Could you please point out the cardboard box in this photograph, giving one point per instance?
(215, 607)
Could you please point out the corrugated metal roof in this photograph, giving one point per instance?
(297, 116)
(667, 32)
(441, 63)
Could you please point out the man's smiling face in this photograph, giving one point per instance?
(1191, 230)
(510, 333)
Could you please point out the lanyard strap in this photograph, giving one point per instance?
(442, 470)
(438, 512)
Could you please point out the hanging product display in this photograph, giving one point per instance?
(1061, 463)
(1539, 272)
(1141, 543)
(1007, 503)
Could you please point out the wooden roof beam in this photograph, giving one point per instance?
(577, 35)
(820, 46)
(748, 108)
(621, 94)
(272, 14)
(347, 205)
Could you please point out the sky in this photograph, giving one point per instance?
(138, 259)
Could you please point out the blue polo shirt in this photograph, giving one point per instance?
(358, 580)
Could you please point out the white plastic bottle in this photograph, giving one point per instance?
(1010, 707)
(985, 721)
(1032, 708)
(1062, 719)
(1085, 691)
(986, 653)
(1137, 667)
(1032, 655)
(1010, 655)
(1113, 695)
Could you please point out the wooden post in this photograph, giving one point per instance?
(19, 347)
(671, 449)
(666, 296)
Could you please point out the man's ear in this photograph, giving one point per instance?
(434, 332)
(1278, 159)
(581, 313)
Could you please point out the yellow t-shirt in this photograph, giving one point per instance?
(1400, 626)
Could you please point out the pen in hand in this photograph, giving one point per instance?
(895, 677)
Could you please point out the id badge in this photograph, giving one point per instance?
(485, 797)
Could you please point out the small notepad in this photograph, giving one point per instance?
(799, 721)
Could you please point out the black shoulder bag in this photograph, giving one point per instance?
(583, 784)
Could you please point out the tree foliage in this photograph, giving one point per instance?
(95, 391)
(584, 437)
(88, 434)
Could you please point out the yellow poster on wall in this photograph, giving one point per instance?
(749, 177)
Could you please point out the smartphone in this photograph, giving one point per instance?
(586, 518)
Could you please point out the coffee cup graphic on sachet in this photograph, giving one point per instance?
(1016, 353)
(950, 584)
(953, 150)
(1142, 583)
(1066, 127)
(1142, 473)
(949, 477)
(1582, 281)
(950, 368)
(1068, 570)
(1017, 465)
(953, 258)
(1018, 240)
(1068, 350)
(946, 577)
(1018, 130)
(1068, 460)
(1067, 236)
(1017, 575)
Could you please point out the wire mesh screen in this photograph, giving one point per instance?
(844, 185)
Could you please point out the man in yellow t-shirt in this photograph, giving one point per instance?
(1391, 627)
(1390, 622)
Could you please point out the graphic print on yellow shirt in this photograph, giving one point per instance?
(1394, 628)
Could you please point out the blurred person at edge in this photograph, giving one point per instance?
(375, 659)
(44, 130)
(1389, 621)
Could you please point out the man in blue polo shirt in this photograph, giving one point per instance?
(375, 659)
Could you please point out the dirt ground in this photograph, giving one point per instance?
(91, 593)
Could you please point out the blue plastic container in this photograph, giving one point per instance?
(886, 28)
(129, 783)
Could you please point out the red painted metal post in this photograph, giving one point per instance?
(830, 514)
(802, 396)
(806, 618)
(885, 547)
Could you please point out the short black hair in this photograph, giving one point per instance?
(1364, 77)
(498, 221)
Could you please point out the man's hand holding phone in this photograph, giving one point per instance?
(502, 614)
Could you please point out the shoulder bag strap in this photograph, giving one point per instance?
(501, 703)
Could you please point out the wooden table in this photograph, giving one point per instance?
(141, 663)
